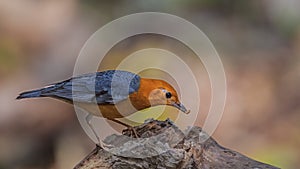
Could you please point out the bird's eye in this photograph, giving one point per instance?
(168, 95)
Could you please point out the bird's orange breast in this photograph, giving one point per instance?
(110, 111)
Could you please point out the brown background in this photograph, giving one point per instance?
(258, 42)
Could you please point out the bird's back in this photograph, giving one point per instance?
(107, 87)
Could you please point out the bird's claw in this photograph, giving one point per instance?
(131, 132)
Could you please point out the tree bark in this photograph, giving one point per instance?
(162, 145)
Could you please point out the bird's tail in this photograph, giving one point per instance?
(30, 94)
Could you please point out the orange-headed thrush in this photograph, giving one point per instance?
(112, 91)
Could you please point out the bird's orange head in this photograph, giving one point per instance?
(154, 92)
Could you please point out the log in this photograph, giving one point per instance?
(162, 145)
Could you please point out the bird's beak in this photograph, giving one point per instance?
(180, 107)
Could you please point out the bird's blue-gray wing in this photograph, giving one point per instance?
(108, 87)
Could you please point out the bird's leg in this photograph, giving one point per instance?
(88, 119)
(128, 127)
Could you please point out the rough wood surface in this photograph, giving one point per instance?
(163, 145)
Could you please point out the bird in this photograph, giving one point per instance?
(116, 93)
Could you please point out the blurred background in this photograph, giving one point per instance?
(258, 42)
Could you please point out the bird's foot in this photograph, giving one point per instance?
(130, 131)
